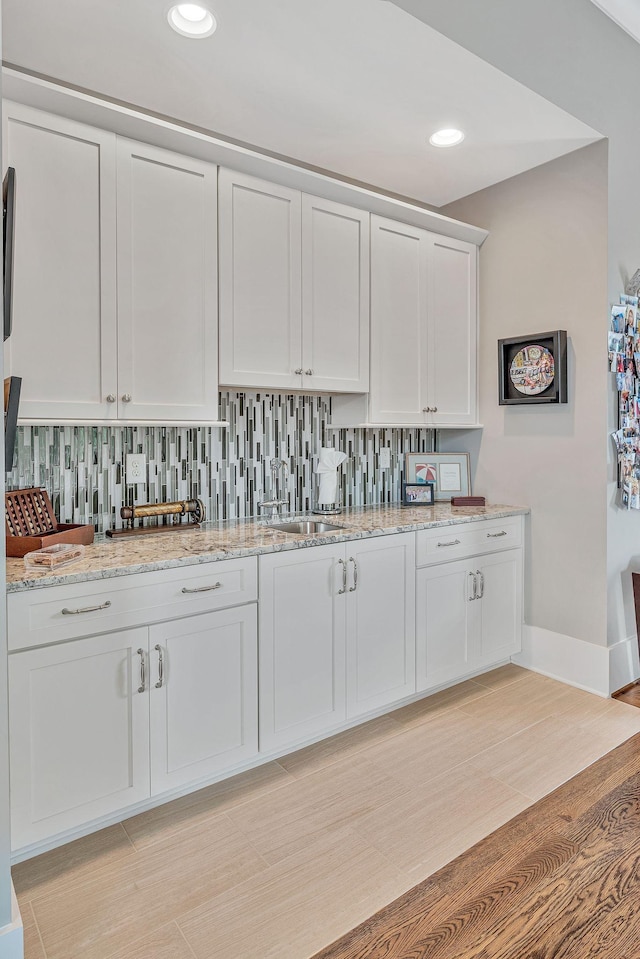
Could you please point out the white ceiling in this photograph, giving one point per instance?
(626, 13)
(351, 86)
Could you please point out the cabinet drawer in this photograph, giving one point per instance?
(36, 617)
(467, 539)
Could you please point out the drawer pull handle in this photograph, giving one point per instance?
(202, 589)
(86, 609)
(143, 671)
(502, 532)
(158, 649)
(453, 542)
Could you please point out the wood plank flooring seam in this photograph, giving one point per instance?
(352, 754)
(184, 830)
(129, 839)
(520, 792)
(35, 922)
(187, 943)
(512, 682)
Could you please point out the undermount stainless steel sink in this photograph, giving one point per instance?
(304, 526)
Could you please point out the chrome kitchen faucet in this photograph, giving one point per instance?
(279, 479)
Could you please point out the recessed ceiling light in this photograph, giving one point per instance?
(192, 20)
(446, 138)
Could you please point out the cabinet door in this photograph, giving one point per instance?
(500, 633)
(335, 296)
(79, 732)
(204, 695)
(260, 299)
(381, 647)
(446, 623)
(63, 343)
(302, 644)
(452, 332)
(398, 322)
(167, 286)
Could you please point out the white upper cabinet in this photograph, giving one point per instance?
(93, 339)
(63, 343)
(423, 327)
(335, 297)
(423, 331)
(260, 295)
(451, 332)
(294, 289)
(167, 286)
(398, 322)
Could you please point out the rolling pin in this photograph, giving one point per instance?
(180, 508)
(193, 507)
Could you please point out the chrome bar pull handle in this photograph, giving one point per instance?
(451, 542)
(344, 577)
(308, 372)
(158, 649)
(85, 609)
(353, 588)
(299, 371)
(481, 577)
(143, 671)
(502, 532)
(202, 589)
(475, 584)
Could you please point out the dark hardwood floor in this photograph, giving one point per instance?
(560, 881)
(630, 695)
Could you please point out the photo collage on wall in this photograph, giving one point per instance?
(624, 363)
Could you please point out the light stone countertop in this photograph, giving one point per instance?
(107, 558)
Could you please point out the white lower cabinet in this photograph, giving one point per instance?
(79, 733)
(337, 636)
(302, 644)
(203, 695)
(381, 636)
(468, 615)
(101, 723)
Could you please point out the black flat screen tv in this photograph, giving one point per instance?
(8, 220)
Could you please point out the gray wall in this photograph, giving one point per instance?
(571, 53)
(547, 228)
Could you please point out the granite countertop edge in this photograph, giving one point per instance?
(97, 563)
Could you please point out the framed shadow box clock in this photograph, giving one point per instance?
(533, 369)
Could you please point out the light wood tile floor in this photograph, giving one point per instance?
(282, 860)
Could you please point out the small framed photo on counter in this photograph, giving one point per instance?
(448, 473)
(417, 494)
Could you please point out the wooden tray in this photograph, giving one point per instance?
(31, 523)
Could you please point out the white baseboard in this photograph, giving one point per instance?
(566, 658)
(12, 935)
(624, 667)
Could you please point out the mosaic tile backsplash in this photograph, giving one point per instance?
(82, 467)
